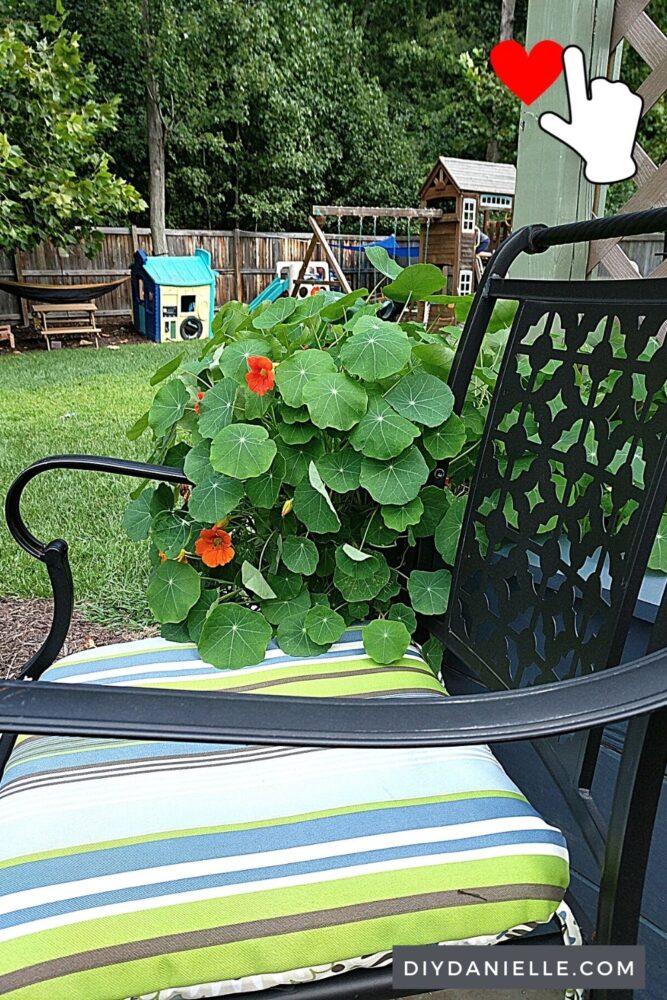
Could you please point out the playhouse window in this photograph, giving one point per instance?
(495, 201)
(188, 303)
(469, 215)
(140, 289)
(465, 282)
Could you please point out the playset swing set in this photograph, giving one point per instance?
(465, 213)
(322, 268)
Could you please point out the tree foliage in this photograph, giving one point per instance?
(272, 105)
(56, 179)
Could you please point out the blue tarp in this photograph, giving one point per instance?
(390, 244)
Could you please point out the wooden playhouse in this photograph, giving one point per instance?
(477, 199)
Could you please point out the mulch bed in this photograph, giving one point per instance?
(24, 624)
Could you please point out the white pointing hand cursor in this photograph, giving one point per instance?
(602, 126)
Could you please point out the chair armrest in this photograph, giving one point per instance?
(82, 463)
(51, 708)
(54, 554)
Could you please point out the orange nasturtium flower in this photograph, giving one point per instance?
(260, 378)
(214, 546)
(200, 396)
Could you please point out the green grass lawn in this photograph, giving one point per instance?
(77, 401)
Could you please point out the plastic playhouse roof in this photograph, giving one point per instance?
(179, 270)
(481, 176)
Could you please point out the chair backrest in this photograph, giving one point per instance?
(571, 479)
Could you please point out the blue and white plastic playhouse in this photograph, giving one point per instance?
(173, 297)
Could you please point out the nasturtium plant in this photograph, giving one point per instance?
(309, 432)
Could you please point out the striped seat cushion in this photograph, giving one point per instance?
(166, 870)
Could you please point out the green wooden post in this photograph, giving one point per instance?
(551, 186)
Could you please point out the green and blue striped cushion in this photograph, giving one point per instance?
(132, 869)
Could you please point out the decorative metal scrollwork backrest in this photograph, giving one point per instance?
(570, 483)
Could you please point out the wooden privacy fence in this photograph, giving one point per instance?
(245, 261)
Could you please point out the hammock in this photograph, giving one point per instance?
(60, 294)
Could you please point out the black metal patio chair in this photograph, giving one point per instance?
(565, 504)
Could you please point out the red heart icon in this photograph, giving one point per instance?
(527, 74)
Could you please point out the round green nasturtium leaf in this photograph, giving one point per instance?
(433, 651)
(176, 455)
(233, 636)
(436, 358)
(447, 440)
(356, 588)
(357, 611)
(323, 625)
(340, 470)
(173, 588)
(658, 557)
(421, 397)
(175, 632)
(285, 584)
(234, 359)
(171, 532)
(376, 349)
(382, 262)
(361, 568)
(382, 433)
(436, 501)
(448, 530)
(242, 451)
(391, 588)
(355, 554)
(216, 409)
(294, 414)
(377, 533)
(429, 590)
(297, 458)
(293, 637)
(396, 481)
(263, 490)
(300, 554)
(198, 613)
(326, 563)
(335, 401)
(341, 304)
(295, 373)
(275, 313)
(415, 283)
(197, 463)
(215, 497)
(253, 580)
(320, 598)
(296, 433)
(385, 641)
(168, 406)
(162, 498)
(402, 613)
(310, 306)
(313, 506)
(400, 517)
(277, 611)
(137, 518)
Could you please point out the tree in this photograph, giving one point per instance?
(56, 180)
(507, 19)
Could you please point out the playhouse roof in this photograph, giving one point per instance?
(479, 176)
(180, 271)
